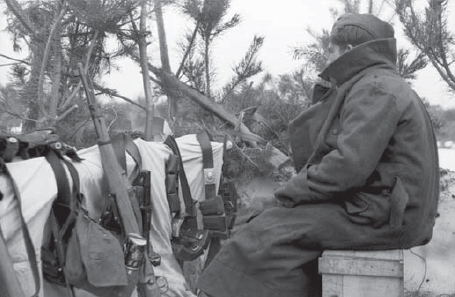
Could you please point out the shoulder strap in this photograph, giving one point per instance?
(27, 239)
(68, 201)
(207, 160)
(63, 201)
(186, 192)
(124, 143)
(62, 217)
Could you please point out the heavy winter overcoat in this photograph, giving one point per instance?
(368, 143)
(368, 178)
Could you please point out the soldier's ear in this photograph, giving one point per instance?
(349, 47)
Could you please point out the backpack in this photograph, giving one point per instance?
(25, 146)
(76, 237)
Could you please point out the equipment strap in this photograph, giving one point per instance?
(123, 142)
(64, 210)
(186, 192)
(207, 160)
(210, 187)
(27, 239)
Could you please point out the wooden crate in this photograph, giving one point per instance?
(362, 273)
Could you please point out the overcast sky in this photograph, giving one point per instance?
(283, 24)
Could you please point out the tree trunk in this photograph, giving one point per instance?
(164, 54)
(32, 85)
(51, 42)
(207, 67)
(36, 45)
(56, 79)
(142, 42)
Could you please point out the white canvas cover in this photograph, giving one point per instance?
(36, 182)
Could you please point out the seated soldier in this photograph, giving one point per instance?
(368, 174)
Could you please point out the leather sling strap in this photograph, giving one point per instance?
(123, 142)
(207, 161)
(188, 200)
(66, 197)
(70, 199)
(26, 235)
(63, 189)
(210, 186)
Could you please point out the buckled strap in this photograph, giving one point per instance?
(207, 160)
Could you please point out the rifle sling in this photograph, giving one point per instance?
(123, 142)
(189, 208)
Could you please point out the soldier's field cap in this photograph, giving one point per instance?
(377, 28)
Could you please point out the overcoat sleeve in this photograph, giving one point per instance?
(367, 121)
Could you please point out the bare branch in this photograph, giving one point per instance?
(114, 93)
(188, 49)
(13, 59)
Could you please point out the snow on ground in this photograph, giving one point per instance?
(447, 158)
(429, 269)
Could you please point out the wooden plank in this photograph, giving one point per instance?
(368, 267)
(332, 285)
(361, 286)
(362, 273)
(385, 254)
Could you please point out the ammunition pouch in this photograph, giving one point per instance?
(188, 242)
(214, 217)
(172, 169)
(142, 188)
(219, 212)
(52, 270)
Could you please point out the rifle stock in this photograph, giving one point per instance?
(118, 184)
(9, 283)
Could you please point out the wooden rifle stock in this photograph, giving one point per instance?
(119, 185)
(9, 283)
(116, 177)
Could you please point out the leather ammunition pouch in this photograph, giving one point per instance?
(218, 211)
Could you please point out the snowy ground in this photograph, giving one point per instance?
(447, 158)
(429, 269)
